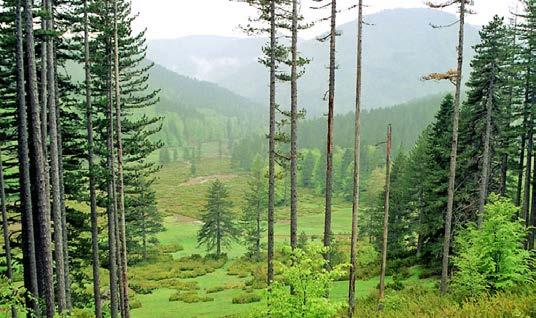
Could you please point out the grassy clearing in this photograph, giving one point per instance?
(181, 198)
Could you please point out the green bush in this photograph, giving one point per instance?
(491, 258)
(417, 301)
(189, 297)
(306, 276)
(135, 303)
(215, 289)
(247, 298)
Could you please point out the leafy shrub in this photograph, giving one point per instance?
(135, 303)
(142, 290)
(215, 289)
(306, 276)
(492, 258)
(247, 298)
(420, 301)
(189, 297)
(169, 248)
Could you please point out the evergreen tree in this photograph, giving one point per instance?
(219, 228)
(253, 221)
(483, 116)
(307, 169)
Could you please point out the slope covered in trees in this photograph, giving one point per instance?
(402, 47)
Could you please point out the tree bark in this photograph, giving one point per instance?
(530, 217)
(112, 206)
(454, 154)
(357, 162)
(386, 214)
(271, 137)
(484, 184)
(28, 240)
(528, 172)
(329, 148)
(55, 167)
(294, 130)
(38, 175)
(120, 179)
(91, 166)
(5, 229)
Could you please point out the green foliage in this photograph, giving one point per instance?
(247, 298)
(219, 228)
(11, 297)
(189, 297)
(305, 275)
(492, 258)
(253, 220)
(420, 301)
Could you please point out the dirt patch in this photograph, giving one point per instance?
(205, 179)
(186, 219)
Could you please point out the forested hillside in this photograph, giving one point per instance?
(401, 48)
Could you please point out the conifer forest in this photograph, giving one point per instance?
(268, 158)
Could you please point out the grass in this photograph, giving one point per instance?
(181, 198)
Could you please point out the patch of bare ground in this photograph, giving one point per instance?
(205, 179)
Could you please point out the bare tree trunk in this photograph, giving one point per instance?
(521, 169)
(55, 168)
(5, 229)
(528, 172)
(357, 162)
(386, 214)
(487, 153)
(91, 165)
(112, 206)
(329, 149)
(28, 241)
(454, 154)
(43, 74)
(294, 130)
(530, 217)
(271, 159)
(120, 179)
(39, 187)
(64, 227)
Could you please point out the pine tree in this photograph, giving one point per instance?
(5, 229)
(357, 163)
(456, 77)
(38, 171)
(307, 170)
(253, 215)
(219, 229)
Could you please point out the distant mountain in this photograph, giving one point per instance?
(400, 46)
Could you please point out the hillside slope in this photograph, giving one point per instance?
(399, 47)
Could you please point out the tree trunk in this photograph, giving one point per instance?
(528, 172)
(357, 163)
(454, 154)
(329, 148)
(55, 168)
(39, 180)
(120, 179)
(5, 229)
(28, 241)
(294, 130)
(43, 74)
(112, 206)
(386, 214)
(91, 166)
(530, 218)
(271, 159)
(66, 259)
(484, 184)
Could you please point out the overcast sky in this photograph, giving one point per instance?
(176, 18)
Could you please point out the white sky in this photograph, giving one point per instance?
(176, 18)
